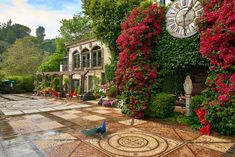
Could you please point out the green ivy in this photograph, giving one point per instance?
(177, 57)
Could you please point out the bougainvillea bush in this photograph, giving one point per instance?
(217, 28)
(136, 73)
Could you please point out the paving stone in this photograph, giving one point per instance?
(214, 143)
(54, 140)
(134, 121)
(30, 111)
(69, 116)
(49, 125)
(188, 135)
(72, 111)
(203, 152)
(182, 151)
(101, 111)
(85, 150)
(11, 113)
(93, 118)
(63, 150)
(35, 116)
(61, 108)
(20, 150)
(46, 109)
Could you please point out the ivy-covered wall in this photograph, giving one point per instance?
(177, 58)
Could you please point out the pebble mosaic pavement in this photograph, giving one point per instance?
(56, 132)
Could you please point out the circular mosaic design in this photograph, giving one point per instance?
(134, 144)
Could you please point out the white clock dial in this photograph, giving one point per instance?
(181, 18)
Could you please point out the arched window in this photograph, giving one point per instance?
(85, 58)
(76, 59)
(96, 56)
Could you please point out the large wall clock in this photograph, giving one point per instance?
(181, 18)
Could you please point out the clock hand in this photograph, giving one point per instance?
(184, 25)
(188, 10)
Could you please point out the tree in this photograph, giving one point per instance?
(23, 57)
(107, 17)
(40, 33)
(76, 28)
(52, 63)
(9, 33)
(16, 31)
(60, 45)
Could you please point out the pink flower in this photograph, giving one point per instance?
(224, 98)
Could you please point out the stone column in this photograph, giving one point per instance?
(61, 85)
(70, 83)
(188, 87)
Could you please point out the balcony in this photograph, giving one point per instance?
(63, 67)
(89, 64)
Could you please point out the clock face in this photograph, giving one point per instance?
(181, 18)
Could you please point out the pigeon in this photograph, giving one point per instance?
(97, 130)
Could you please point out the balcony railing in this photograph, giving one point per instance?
(63, 67)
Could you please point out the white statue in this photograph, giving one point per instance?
(188, 87)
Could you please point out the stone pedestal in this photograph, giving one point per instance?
(187, 103)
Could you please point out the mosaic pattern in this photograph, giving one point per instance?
(22, 105)
(132, 122)
(133, 142)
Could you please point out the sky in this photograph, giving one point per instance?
(34, 13)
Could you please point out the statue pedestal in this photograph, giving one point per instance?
(187, 102)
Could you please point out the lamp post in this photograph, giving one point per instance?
(188, 87)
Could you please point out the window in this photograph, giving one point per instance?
(90, 83)
(85, 58)
(96, 56)
(76, 59)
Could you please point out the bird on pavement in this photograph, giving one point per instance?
(97, 130)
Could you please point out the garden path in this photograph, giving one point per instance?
(56, 133)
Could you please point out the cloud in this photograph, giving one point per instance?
(46, 13)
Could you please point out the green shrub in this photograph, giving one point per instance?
(162, 105)
(196, 102)
(24, 84)
(125, 110)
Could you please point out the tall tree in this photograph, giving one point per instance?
(107, 16)
(60, 46)
(40, 33)
(23, 57)
(9, 33)
(76, 28)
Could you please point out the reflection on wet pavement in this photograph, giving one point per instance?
(57, 133)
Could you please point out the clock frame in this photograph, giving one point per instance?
(181, 18)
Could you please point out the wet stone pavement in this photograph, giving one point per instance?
(40, 127)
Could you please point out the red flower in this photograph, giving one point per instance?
(206, 129)
(133, 56)
(153, 74)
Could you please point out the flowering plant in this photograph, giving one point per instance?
(136, 73)
(217, 28)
